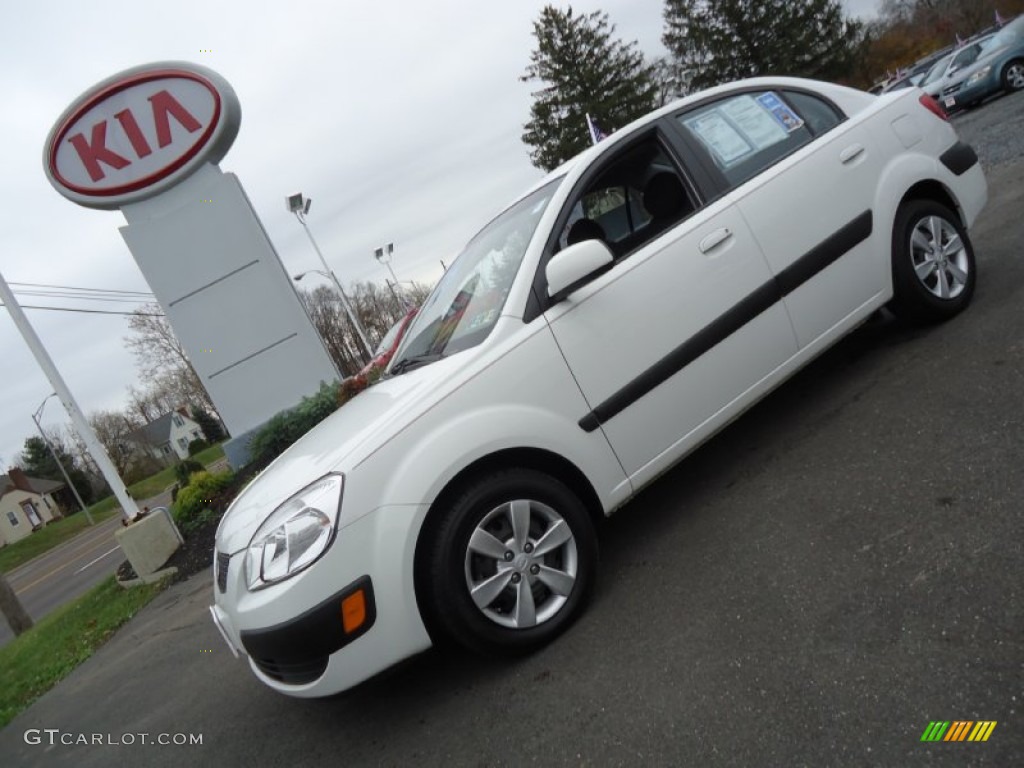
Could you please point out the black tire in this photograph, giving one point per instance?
(932, 280)
(485, 508)
(1012, 77)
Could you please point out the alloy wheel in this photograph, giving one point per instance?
(521, 564)
(939, 257)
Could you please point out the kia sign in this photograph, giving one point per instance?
(139, 133)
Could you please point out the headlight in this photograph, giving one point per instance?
(295, 534)
(981, 73)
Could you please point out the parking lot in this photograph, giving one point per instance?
(813, 587)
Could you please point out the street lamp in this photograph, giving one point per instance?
(383, 257)
(35, 418)
(299, 205)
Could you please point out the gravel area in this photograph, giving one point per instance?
(994, 129)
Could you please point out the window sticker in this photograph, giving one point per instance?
(787, 118)
(720, 137)
(755, 121)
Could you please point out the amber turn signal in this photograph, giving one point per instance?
(353, 611)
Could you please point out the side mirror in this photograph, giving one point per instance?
(575, 263)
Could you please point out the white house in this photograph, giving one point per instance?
(26, 505)
(167, 437)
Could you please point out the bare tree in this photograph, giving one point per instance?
(114, 430)
(160, 356)
(376, 307)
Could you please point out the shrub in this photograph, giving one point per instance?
(196, 446)
(184, 470)
(288, 426)
(195, 504)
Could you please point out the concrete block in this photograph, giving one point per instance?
(147, 543)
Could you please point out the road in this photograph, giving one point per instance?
(68, 571)
(813, 587)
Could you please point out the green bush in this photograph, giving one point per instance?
(185, 469)
(196, 446)
(194, 505)
(288, 426)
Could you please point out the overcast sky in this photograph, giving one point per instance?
(401, 120)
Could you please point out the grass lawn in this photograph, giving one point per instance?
(21, 552)
(41, 541)
(159, 482)
(37, 660)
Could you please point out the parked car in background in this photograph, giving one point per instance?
(916, 72)
(602, 327)
(999, 67)
(946, 68)
(387, 346)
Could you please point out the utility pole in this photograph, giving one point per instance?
(12, 608)
(35, 418)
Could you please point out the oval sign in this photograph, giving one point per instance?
(139, 133)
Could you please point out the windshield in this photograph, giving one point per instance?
(937, 71)
(464, 306)
(389, 339)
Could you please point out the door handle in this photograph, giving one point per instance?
(714, 240)
(851, 153)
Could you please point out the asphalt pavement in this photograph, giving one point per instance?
(839, 568)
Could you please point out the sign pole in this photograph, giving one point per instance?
(128, 508)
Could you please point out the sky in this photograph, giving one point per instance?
(400, 120)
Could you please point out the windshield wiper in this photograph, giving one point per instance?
(408, 363)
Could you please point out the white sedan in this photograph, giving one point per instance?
(590, 336)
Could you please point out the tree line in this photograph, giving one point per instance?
(583, 70)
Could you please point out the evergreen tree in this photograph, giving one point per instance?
(716, 41)
(212, 430)
(37, 461)
(582, 70)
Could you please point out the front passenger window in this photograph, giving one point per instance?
(635, 197)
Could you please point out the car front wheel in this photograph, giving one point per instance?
(1013, 75)
(932, 263)
(512, 562)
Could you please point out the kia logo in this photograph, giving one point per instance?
(139, 133)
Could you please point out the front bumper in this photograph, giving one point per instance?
(311, 635)
(962, 95)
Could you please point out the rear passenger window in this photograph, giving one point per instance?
(820, 115)
(745, 134)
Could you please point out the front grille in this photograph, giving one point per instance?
(951, 89)
(223, 560)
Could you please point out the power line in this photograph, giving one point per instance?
(86, 296)
(79, 288)
(91, 311)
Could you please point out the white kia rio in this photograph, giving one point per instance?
(595, 332)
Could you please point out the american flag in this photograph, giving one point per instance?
(596, 134)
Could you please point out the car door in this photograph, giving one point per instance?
(681, 326)
(804, 178)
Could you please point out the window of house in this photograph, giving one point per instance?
(633, 198)
(178, 421)
(13, 519)
(745, 133)
(183, 443)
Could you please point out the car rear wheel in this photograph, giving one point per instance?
(932, 263)
(512, 563)
(1013, 75)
